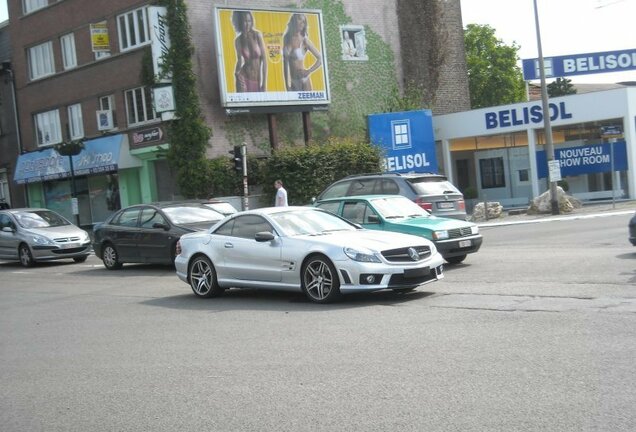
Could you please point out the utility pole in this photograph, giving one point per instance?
(547, 127)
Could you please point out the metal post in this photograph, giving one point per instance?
(74, 191)
(547, 127)
(611, 143)
(246, 204)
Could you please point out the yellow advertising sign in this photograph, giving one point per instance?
(99, 37)
(271, 57)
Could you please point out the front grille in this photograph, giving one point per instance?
(459, 232)
(402, 254)
(398, 280)
(63, 240)
(69, 250)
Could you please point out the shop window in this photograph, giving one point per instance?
(75, 123)
(69, 57)
(492, 173)
(139, 106)
(41, 61)
(523, 175)
(133, 29)
(47, 128)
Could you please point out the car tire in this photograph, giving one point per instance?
(80, 259)
(110, 257)
(456, 259)
(319, 280)
(25, 255)
(202, 277)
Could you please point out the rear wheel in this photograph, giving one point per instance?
(456, 259)
(110, 257)
(26, 258)
(320, 282)
(202, 277)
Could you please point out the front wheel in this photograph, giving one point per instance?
(202, 277)
(320, 282)
(456, 259)
(110, 257)
(26, 258)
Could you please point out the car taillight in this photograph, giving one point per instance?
(461, 204)
(178, 248)
(425, 205)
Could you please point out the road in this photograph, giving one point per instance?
(535, 332)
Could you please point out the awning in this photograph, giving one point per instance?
(99, 155)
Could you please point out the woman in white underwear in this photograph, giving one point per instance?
(296, 43)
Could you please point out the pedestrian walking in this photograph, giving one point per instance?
(281, 194)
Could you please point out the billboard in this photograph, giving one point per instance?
(407, 140)
(271, 57)
(580, 64)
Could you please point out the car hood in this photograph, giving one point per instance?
(57, 232)
(376, 240)
(432, 223)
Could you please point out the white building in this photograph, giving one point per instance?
(490, 149)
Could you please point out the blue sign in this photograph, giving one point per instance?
(585, 159)
(581, 64)
(525, 115)
(100, 155)
(407, 139)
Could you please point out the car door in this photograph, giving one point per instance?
(9, 239)
(246, 259)
(123, 233)
(154, 239)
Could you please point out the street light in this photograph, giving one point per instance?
(70, 149)
(547, 127)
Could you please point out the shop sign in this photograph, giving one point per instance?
(147, 136)
(585, 159)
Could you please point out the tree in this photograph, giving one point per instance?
(493, 75)
(561, 87)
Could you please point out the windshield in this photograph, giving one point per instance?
(40, 219)
(426, 186)
(187, 215)
(398, 207)
(303, 222)
(222, 207)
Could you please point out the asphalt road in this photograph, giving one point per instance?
(535, 332)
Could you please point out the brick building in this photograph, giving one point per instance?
(78, 76)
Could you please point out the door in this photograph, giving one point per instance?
(8, 238)
(154, 242)
(123, 233)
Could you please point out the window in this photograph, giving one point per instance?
(492, 173)
(127, 218)
(47, 128)
(150, 217)
(75, 123)
(101, 54)
(29, 6)
(41, 60)
(106, 103)
(139, 106)
(67, 44)
(133, 29)
(523, 175)
(247, 226)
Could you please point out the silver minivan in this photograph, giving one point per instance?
(30, 235)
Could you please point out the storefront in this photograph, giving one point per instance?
(498, 153)
(105, 176)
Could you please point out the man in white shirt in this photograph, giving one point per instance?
(281, 194)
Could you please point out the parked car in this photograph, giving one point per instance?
(148, 233)
(453, 238)
(31, 235)
(433, 192)
(303, 249)
(632, 230)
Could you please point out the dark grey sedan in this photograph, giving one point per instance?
(632, 230)
(148, 233)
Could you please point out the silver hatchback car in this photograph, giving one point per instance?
(30, 235)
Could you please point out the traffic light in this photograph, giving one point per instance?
(237, 158)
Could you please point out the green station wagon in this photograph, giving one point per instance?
(453, 238)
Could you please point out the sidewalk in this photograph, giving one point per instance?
(594, 209)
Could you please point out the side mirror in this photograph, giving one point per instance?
(8, 229)
(263, 236)
(160, 225)
(373, 218)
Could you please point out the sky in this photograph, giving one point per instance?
(566, 27)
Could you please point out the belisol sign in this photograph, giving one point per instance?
(581, 64)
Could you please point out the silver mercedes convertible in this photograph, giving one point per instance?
(303, 249)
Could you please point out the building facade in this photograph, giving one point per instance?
(78, 74)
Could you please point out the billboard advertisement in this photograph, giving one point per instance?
(271, 57)
(407, 140)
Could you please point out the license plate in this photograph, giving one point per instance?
(70, 245)
(464, 243)
(445, 205)
(415, 273)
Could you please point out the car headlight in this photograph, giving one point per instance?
(85, 237)
(362, 256)
(474, 229)
(440, 235)
(41, 240)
